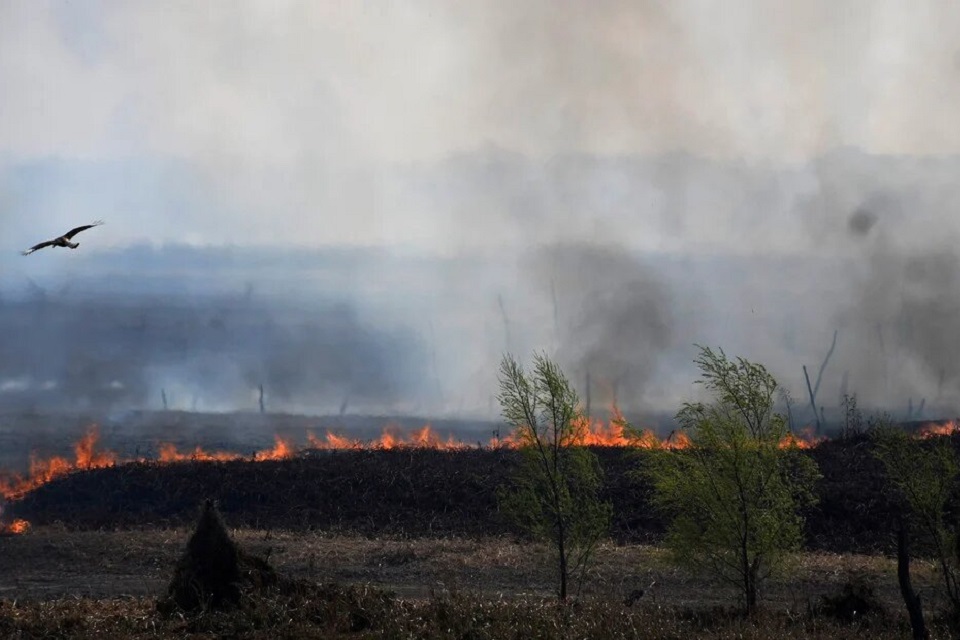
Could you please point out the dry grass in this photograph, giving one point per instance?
(62, 584)
(364, 613)
(52, 561)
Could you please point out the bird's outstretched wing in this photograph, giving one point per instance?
(69, 234)
(37, 246)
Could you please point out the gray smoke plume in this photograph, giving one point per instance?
(613, 318)
(102, 350)
(756, 197)
(861, 222)
(903, 323)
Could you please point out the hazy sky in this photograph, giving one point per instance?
(264, 122)
(573, 143)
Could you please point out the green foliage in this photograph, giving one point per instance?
(733, 497)
(924, 473)
(555, 493)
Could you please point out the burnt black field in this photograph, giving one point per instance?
(415, 492)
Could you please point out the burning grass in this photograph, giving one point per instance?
(941, 428)
(43, 470)
(17, 527)
(87, 454)
(418, 492)
(419, 482)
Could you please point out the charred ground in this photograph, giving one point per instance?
(415, 492)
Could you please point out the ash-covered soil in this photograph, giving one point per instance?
(421, 492)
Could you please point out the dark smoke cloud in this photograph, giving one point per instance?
(648, 255)
(861, 222)
(112, 351)
(333, 356)
(612, 317)
(903, 323)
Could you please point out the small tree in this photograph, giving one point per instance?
(554, 494)
(853, 424)
(735, 493)
(924, 473)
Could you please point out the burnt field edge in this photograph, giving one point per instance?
(415, 492)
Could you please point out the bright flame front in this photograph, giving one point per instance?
(613, 433)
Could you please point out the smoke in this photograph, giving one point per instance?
(109, 351)
(902, 322)
(861, 222)
(848, 242)
(295, 122)
(612, 182)
(612, 318)
(337, 359)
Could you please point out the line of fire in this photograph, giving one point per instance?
(614, 432)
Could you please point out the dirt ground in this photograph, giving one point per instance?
(52, 563)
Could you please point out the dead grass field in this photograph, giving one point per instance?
(105, 582)
(51, 563)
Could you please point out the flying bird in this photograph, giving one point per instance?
(64, 240)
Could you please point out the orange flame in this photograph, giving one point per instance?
(19, 526)
(87, 455)
(426, 438)
(42, 471)
(169, 453)
(332, 441)
(282, 450)
(932, 429)
(391, 438)
(806, 439)
(614, 433)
